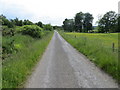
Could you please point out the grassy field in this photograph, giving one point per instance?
(98, 48)
(18, 65)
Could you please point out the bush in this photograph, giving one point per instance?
(32, 30)
(8, 31)
(48, 27)
(7, 46)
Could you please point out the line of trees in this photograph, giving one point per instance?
(82, 22)
(16, 22)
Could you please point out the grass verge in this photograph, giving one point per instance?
(18, 66)
(98, 48)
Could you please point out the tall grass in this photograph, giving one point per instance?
(98, 48)
(19, 65)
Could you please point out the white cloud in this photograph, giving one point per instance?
(55, 11)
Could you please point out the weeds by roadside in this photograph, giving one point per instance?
(19, 65)
(98, 48)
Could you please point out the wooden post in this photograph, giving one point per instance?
(113, 47)
(75, 36)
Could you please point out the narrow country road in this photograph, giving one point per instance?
(64, 67)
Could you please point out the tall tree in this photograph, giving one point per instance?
(79, 21)
(68, 25)
(16, 21)
(87, 22)
(108, 22)
(65, 26)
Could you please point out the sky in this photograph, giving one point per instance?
(54, 12)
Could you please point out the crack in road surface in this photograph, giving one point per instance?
(64, 67)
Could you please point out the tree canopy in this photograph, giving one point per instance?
(108, 23)
(81, 23)
(87, 22)
(68, 25)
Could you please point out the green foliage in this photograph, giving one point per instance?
(40, 24)
(17, 22)
(98, 48)
(32, 30)
(27, 22)
(57, 27)
(20, 52)
(14, 22)
(48, 27)
(19, 65)
(7, 47)
(6, 22)
(13, 44)
(108, 23)
(81, 23)
(87, 22)
(68, 25)
(8, 43)
(8, 31)
(118, 24)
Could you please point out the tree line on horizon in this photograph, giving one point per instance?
(82, 22)
(17, 22)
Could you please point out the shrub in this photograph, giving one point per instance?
(48, 27)
(8, 31)
(32, 30)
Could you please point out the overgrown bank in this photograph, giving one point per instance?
(22, 48)
(98, 48)
(23, 43)
(19, 65)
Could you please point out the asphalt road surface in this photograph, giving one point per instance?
(64, 67)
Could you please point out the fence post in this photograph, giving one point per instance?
(113, 47)
(75, 36)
